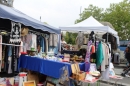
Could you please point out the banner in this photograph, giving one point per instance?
(15, 35)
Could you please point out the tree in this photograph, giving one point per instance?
(94, 11)
(119, 16)
(70, 37)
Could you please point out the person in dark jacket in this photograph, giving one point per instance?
(127, 56)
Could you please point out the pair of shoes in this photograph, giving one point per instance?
(123, 74)
(127, 75)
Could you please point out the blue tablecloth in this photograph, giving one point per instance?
(47, 67)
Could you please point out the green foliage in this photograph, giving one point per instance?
(70, 37)
(118, 14)
(94, 11)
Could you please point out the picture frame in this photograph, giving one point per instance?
(93, 67)
(29, 83)
(48, 83)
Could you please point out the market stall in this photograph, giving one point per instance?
(88, 25)
(97, 47)
(14, 27)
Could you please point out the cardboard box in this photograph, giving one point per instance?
(32, 77)
(76, 73)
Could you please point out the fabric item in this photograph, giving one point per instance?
(99, 55)
(28, 41)
(80, 38)
(10, 51)
(53, 40)
(15, 64)
(20, 48)
(44, 66)
(15, 35)
(87, 58)
(10, 63)
(0, 52)
(97, 42)
(85, 40)
(0, 47)
(103, 62)
(93, 49)
(46, 44)
(106, 55)
(105, 74)
(41, 42)
(87, 67)
(34, 42)
(111, 66)
(6, 59)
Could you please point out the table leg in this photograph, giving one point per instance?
(98, 83)
(88, 84)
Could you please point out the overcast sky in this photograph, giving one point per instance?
(57, 12)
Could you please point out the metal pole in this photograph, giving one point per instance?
(40, 18)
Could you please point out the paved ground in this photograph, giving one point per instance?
(118, 70)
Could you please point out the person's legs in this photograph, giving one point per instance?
(126, 70)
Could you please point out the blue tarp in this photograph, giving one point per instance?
(17, 16)
(47, 67)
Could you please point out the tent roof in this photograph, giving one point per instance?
(17, 16)
(108, 24)
(89, 22)
(88, 25)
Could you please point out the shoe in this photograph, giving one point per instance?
(127, 75)
(123, 75)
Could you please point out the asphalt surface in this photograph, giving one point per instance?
(118, 70)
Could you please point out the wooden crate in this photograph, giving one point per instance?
(76, 73)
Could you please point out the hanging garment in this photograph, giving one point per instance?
(46, 44)
(34, 42)
(28, 41)
(103, 62)
(20, 48)
(10, 59)
(85, 40)
(0, 52)
(80, 39)
(42, 43)
(53, 40)
(15, 35)
(93, 49)
(99, 55)
(87, 58)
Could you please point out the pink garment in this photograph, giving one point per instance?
(29, 41)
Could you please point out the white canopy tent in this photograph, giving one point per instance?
(88, 25)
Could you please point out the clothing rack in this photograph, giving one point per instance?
(38, 33)
(9, 44)
(100, 39)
